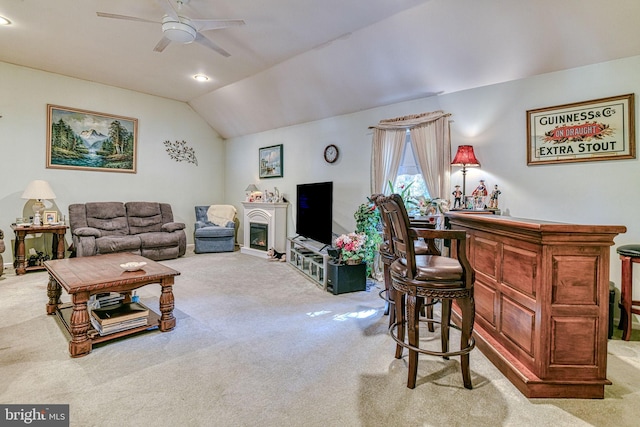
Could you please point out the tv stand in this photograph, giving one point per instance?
(309, 257)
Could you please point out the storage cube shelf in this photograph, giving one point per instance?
(309, 257)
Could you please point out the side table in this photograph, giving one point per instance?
(57, 247)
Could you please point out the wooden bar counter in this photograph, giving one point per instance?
(541, 294)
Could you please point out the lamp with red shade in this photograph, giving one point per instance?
(465, 157)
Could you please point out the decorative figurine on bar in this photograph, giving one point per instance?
(457, 197)
(493, 199)
(479, 194)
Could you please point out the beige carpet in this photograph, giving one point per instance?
(257, 344)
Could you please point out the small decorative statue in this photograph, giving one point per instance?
(479, 194)
(457, 197)
(493, 199)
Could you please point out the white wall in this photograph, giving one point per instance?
(493, 120)
(23, 126)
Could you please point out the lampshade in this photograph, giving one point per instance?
(251, 188)
(38, 190)
(465, 157)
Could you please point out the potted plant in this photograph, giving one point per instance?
(368, 223)
(405, 194)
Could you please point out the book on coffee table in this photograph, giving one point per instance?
(117, 327)
(120, 313)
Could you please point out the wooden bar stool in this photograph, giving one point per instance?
(629, 254)
(388, 256)
(418, 277)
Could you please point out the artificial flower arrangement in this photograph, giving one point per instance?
(352, 247)
(428, 206)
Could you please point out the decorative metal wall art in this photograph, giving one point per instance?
(180, 152)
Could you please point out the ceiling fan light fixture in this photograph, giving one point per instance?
(178, 31)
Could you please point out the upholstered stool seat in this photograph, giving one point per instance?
(629, 250)
(428, 267)
(629, 254)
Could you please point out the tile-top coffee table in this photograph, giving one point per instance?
(86, 276)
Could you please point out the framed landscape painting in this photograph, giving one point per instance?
(86, 140)
(270, 162)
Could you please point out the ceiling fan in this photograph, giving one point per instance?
(179, 28)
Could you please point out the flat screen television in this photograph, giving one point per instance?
(314, 211)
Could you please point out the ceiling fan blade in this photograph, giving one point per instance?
(168, 8)
(163, 43)
(216, 24)
(211, 45)
(127, 18)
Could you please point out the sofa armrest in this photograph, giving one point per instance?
(170, 227)
(87, 232)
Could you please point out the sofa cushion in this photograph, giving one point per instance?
(158, 240)
(211, 232)
(110, 244)
(109, 217)
(144, 217)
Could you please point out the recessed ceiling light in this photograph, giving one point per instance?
(201, 77)
(4, 21)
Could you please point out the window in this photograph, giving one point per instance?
(409, 174)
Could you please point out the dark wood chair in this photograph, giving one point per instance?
(387, 257)
(417, 277)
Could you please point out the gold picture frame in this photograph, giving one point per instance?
(50, 217)
(600, 129)
(87, 140)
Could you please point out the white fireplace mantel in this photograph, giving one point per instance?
(272, 214)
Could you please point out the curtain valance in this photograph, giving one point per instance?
(408, 122)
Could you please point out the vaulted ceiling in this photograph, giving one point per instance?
(301, 60)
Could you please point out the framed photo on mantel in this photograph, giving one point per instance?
(601, 129)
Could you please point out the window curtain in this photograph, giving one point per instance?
(386, 155)
(431, 146)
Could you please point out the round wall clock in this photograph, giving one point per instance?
(331, 153)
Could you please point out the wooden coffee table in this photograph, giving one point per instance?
(86, 276)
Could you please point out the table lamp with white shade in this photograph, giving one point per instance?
(39, 190)
(250, 191)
